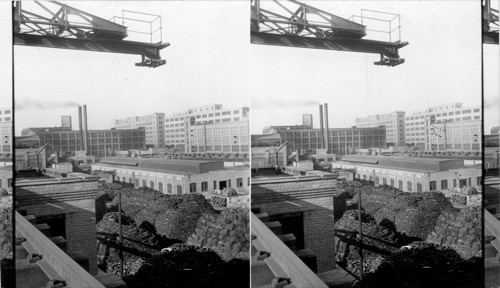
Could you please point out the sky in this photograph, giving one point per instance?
(207, 63)
(5, 56)
(443, 65)
(210, 61)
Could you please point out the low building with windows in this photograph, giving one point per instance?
(413, 174)
(176, 176)
(154, 124)
(5, 130)
(229, 137)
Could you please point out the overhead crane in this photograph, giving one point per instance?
(57, 25)
(490, 23)
(295, 27)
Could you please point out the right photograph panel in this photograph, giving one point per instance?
(366, 145)
(491, 94)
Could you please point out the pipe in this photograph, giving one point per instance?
(85, 131)
(80, 126)
(327, 144)
(322, 130)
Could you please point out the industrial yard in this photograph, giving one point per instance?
(172, 241)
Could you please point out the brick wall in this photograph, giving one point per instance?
(76, 200)
(312, 197)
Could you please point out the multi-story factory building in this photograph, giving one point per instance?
(100, 142)
(175, 125)
(453, 136)
(154, 125)
(416, 125)
(394, 124)
(341, 141)
(5, 130)
(227, 137)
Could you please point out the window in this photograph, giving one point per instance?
(444, 184)
(152, 185)
(392, 182)
(432, 185)
(454, 183)
(204, 186)
(124, 180)
(239, 182)
(419, 187)
(229, 183)
(400, 184)
(384, 181)
(408, 186)
(479, 181)
(169, 188)
(192, 187)
(179, 189)
(376, 180)
(143, 183)
(364, 177)
(160, 187)
(215, 185)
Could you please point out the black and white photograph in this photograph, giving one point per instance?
(368, 173)
(249, 143)
(131, 144)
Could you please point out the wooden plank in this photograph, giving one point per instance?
(282, 258)
(73, 274)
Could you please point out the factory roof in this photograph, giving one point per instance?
(406, 163)
(173, 166)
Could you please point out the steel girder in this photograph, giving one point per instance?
(65, 27)
(490, 23)
(295, 28)
(388, 49)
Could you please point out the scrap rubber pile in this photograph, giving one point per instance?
(413, 214)
(460, 231)
(142, 241)
(188, 266)
(377, 240)
(174, 216)
(424, 265)
(7, 263)
(227, 233)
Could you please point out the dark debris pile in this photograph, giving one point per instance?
(227, 233)
(424, 265)
(460, 231)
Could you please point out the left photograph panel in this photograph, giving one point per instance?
(6, 156)
(131, 144)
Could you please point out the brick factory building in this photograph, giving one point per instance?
(154, 124)
(413, 174)
(176, 124)
(176, 176)
(342, 141)
(394, 123)
(416, 126)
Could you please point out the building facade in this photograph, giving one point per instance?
(174, 176)
(5, 130)
(416, 126)
(341, 141)
(413, 174)
(100, 142)
(454, 136)
(153, 124)
(227, 137)
(175, 125)
(394, 124)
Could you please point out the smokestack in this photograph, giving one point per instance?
(327, 142)
(80, 126)
(322, 131)
(85, 132)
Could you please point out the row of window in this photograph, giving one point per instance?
(432, 184)
(204, 185)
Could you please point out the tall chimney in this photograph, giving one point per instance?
(85, 132)
(327, 142)
(80, 126)
(322, 131)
